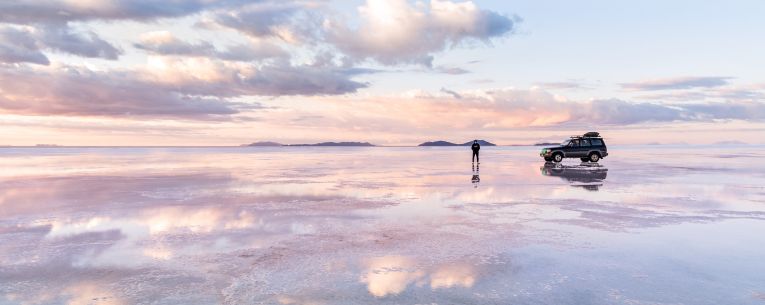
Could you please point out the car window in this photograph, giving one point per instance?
(597, 142)
(574, 143)
(565, 143)
(585, 142)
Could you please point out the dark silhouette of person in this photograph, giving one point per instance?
(476, 147)
(476, 178)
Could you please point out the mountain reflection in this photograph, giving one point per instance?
(204, 226)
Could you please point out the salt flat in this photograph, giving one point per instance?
(319, 225)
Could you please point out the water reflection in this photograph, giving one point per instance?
(298, 227)
(589, 176)
(84, 293)
(476, 179)
(453, 275)
(391, 275)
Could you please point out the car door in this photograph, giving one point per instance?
(572, 149)
(597, 144)
(584, 148)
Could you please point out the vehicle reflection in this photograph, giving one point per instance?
(374, 227)
(589, 176)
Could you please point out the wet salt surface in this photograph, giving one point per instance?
(649, 225)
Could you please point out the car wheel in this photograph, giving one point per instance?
(584, 159)
(558, 157)
(594, 157)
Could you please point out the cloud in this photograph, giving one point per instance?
(72, 91)
(452, 93)
(33, 11)
(618, 112)
(398, 32)
(451, 70)
(18, 45)
(53, 18)
(195, 88)
(24, 44)
(165, 43)
(301, 80)
(677, 83)
(207, 77)
(738, 93)
(86, 44)
(252, 51)
(749, 111)
(390, 32)
(288, 20)
(561, 85)
(507, 109)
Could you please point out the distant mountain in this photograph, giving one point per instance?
(264, 144)
(546, 144)
(731, 143)
(445, 143)
(481, 142)
(439, 143)
(360, 144)
(275, 144)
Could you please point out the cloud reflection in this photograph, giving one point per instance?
(391, 275)
(460, 275)
(289, 226)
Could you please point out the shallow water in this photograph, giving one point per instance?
(319, 225)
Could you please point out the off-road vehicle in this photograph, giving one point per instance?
(587, 147)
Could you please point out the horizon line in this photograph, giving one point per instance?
(319, 146)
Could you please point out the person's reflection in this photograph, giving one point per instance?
(476, 178)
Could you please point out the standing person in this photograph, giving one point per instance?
(476, 147)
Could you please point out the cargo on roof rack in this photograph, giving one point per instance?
(592, 134)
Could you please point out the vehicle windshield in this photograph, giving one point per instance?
(565, 142)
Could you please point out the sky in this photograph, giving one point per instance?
(389, 72)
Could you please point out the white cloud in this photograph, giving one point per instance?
(677, 83)
(61, 11)
(72, 91)
(396, 31)
(165, 43)
(194, 88)
(25, 44)
(507, 109)
(288, 21)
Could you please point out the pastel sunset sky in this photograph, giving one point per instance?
(391, 72)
